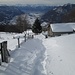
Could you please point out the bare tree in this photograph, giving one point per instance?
(22, 22)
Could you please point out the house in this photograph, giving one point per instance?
(60, 29)
(44, 26)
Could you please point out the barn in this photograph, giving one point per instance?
(60, 29)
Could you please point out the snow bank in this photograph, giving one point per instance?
(60, 55)
(11, 43)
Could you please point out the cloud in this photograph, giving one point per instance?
(50, 2)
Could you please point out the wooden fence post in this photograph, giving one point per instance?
(18, 42)
(2, 52)
(32, 36)
(0, 61)
(25, 37)
(5, 51)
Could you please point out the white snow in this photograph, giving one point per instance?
(44, 24)
(60, 55)
(61, 27)
(12, 43)
(72, 25)
(40, 56)
(26, 60)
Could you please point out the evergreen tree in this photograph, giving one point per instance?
(36, 28)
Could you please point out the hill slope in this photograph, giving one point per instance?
(59, 13)
(60, 52)
(8, 12)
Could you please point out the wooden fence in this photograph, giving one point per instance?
(4, 52)
(3, 48)
(29, 36)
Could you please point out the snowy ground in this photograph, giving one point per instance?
(26, 60)
(40, 56)
(12, 43)
(60, 55)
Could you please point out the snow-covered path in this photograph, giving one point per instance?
(26, 60)
(40, 56)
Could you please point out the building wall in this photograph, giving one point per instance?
(50, 33)
(61, 33)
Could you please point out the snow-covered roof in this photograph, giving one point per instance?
(62, 27)
(72, 25)
(44, 24)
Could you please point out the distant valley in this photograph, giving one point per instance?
(7, 13)
(51, 14)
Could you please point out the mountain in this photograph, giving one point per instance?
(60, 14)
(70, 17)
(8, 12)
(35, 8)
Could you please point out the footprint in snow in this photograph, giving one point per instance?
(51, 73)
(60, 59)
(58, 56)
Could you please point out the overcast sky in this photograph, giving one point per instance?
(49, 2)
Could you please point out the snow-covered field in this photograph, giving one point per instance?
(40, 56)
(60, 55)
